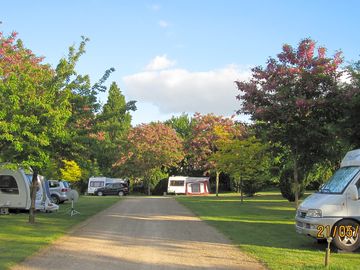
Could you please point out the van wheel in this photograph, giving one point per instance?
(121, 193)
(55, 199)
(99, 193)
(346, 235)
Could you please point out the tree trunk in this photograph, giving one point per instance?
(296, 182)
(33, 191)
(148, 187)
(217, 183)
(241, 190)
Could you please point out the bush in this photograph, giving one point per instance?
(252, 186)
(161, 187)
(287, 187)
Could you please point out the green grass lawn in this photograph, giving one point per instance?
(18, 239)
(264, 227)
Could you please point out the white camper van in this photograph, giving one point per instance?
(334, 211)
(15, 191)
(98, 182)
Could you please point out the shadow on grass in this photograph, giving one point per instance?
(263, 220)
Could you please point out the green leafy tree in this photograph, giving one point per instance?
(83, 136)
(112, 126)
(150, 148)
(34, 109)
(247, 161)
(295, 99)
(183, 125)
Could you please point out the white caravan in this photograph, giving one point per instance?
(98, 182)
(188, 185)
(15, 191)
(334, 211)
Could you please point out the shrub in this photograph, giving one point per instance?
(287, 186)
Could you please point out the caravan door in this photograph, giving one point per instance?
(14, 190)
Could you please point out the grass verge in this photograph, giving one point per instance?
(263, 226)
(19, 239)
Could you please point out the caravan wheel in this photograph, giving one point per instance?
(99, 193)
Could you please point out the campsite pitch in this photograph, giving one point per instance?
(142, 233)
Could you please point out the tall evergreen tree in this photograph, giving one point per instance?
(113, 124)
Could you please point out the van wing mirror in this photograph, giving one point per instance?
(353, 193)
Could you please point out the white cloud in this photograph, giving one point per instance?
(163, 24)
(179, 90)
(160, 62)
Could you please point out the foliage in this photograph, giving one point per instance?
(247, 162)
(34, 112)
(112, 125)
(151, 147)
(208, 132)
(350, 126)
(295, 99)
(286, 185)
(157, 180)
(71, 171)
(182, 125)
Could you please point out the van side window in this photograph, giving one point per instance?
(53, 184)
(8, 184)
(358, 187)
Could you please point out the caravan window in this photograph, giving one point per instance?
(8, 184)
(177, 183)
(96, 184)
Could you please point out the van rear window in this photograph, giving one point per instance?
(8, 184)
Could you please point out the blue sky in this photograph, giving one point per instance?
(180, 55)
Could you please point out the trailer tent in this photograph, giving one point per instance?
(189, 185)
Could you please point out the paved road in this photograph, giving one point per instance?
(142, 233)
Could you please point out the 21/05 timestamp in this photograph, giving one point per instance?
(342, 231)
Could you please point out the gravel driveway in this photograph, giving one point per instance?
(142, 233)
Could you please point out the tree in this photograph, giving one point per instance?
(208, 131)
(112, 125)
(183, 125)
(83, 137)
(295, 99)
(150, 148)
(246, 160)
(350, 126)
(34, 109)
(71, 171)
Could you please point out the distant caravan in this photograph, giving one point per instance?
(15, 191)
(100, 182)
(189, 185)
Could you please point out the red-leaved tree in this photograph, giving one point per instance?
(207, 132)
(150, 148)
(295, 99)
